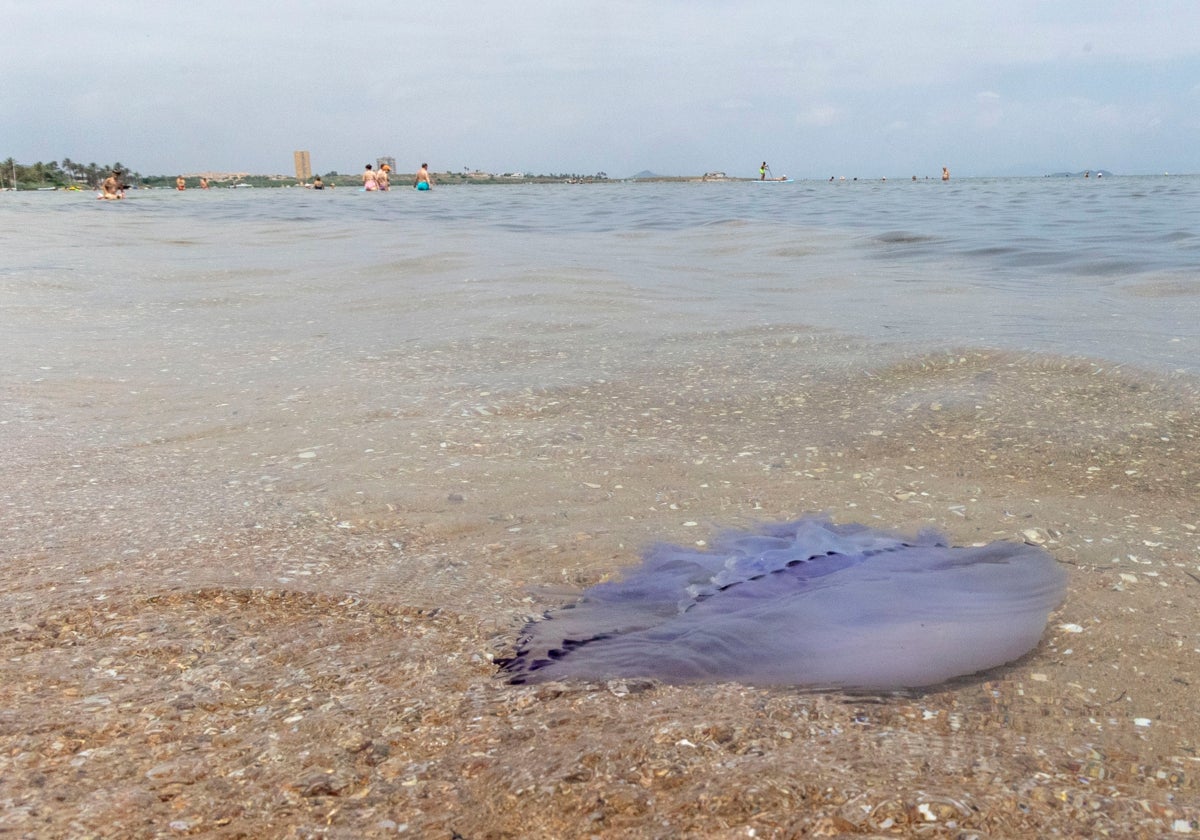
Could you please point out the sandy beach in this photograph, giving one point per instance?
(272, 612)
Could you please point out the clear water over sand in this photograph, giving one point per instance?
(284, 470)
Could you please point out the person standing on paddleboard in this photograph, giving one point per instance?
(762, 171)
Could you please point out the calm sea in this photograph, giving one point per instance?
(1107, 269)
(291, 467)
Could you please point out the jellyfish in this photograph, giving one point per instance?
(807, 603)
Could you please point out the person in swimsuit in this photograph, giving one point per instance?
(945, 174)
(111, 188)
(317, 183)
(382, 177)
(423, 182)
(369, 182)
(180, 184)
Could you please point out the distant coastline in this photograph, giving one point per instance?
(69, 175)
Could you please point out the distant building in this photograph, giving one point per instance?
(303, 165)
(389, 161)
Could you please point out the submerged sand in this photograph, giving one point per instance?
(277, 616)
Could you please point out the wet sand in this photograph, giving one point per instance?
(273, 610)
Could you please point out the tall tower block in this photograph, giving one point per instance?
(303, 165)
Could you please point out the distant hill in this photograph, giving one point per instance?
(645, 173)
(1095, 173)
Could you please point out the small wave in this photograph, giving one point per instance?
(1177, 236)
(1164, 287)
(902, 237)
(992, 251)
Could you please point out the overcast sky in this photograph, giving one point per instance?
(856, 88)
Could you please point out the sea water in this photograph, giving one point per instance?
(1101, 268)
(284, 470)
(171, 360)
(1105, 268)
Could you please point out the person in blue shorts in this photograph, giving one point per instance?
(423, 182)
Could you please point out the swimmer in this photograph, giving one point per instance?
(370, 184)
(180, 184)
(112, 187)
(317, 183)
(381, 177)
(423, 182)
(945, 174)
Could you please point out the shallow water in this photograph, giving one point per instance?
(285, 471)
(193, 353)
(1104, 268)
(253, 325)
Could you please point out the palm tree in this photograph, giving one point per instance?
(10, 169)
